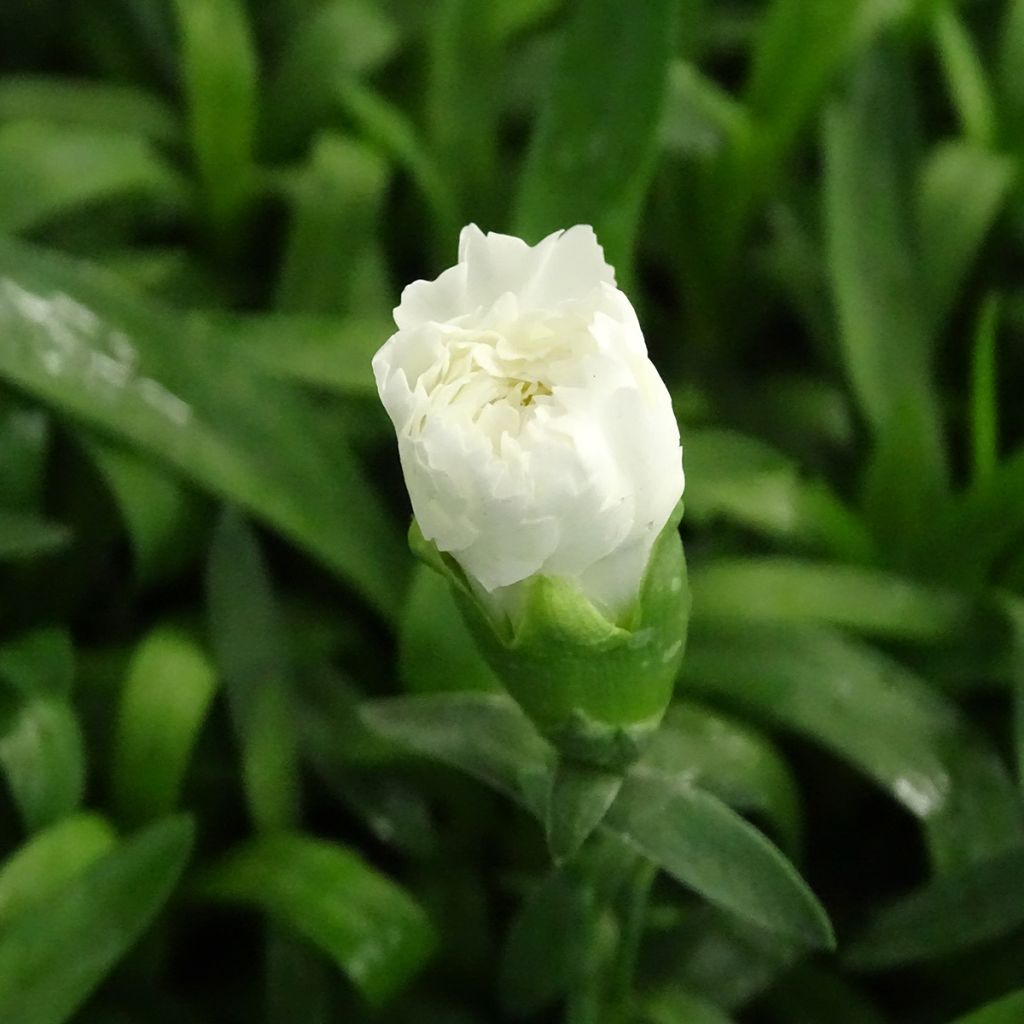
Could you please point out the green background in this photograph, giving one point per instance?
(254, 769)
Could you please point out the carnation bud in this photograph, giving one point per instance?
(544, 466)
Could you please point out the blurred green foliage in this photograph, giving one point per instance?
(214, 809)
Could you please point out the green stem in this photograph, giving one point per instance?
(636, 900)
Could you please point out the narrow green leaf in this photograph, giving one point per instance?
(686, 831)
(730, 760)
(484, 735)
(543, 958)
(160, 513)
(676, 1006)
(744, 480)
(593, 151)
(875, 714)
(220, 71)
(878, 286)
(43, 758)
(39, 664)
(800, 47)
(164, 702)
(436, 651)
(961, 192)
(170, 388)
(864, 600)
(1008, 1010)
(712, 850)
(388, 128)
(49, 861)
(50, 170)
(24, 445)
(462, 101)
(336, 42)
(966, 78)
(336, 204)
(24, 536)
(980, 900)
(328, 353)
(985, 393)
(578, 798)
(990, 515)
(53, 958)
(89, 104)
(1009, 80)
(373, 929)
(251, 650)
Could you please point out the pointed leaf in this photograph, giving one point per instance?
(874, 713)
(980, 900)
(164, 701)
(712, 850)
(372, 928)
(80, 341)
(53, 958)
(593, 150)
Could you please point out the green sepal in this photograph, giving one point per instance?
(578, 799)
(594, 688)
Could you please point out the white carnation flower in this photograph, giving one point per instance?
(535, 434)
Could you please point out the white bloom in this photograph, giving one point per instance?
(535, 433)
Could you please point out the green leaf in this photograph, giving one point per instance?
(388, 128)
(160, 514)
(1009, 81)
(24, 536)
(251, 650)
(1008, 1010)
(543, 958)
(988, 513)
(730, 760)
(966, 78)
(676, 1006)
(462, 101)
(864, 600)
(484, 735)
(336, 42)
(709, 848)
(686, 831)
(50, 170)
(52, 958)
(219, 68)
(328, 353)
(82, 103)
(436, 652)
(172, 389)
(877, 281)
(39, 664)
(24, 444)
(336, 205)
(164, 701)
(43, 757)
(593, 151)
(984, 412)
(369, 926)
(962, 190)
(800, 47)
(578, 798)
(49, 861)
(746, 481)
(978, 900)
(874, 713)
